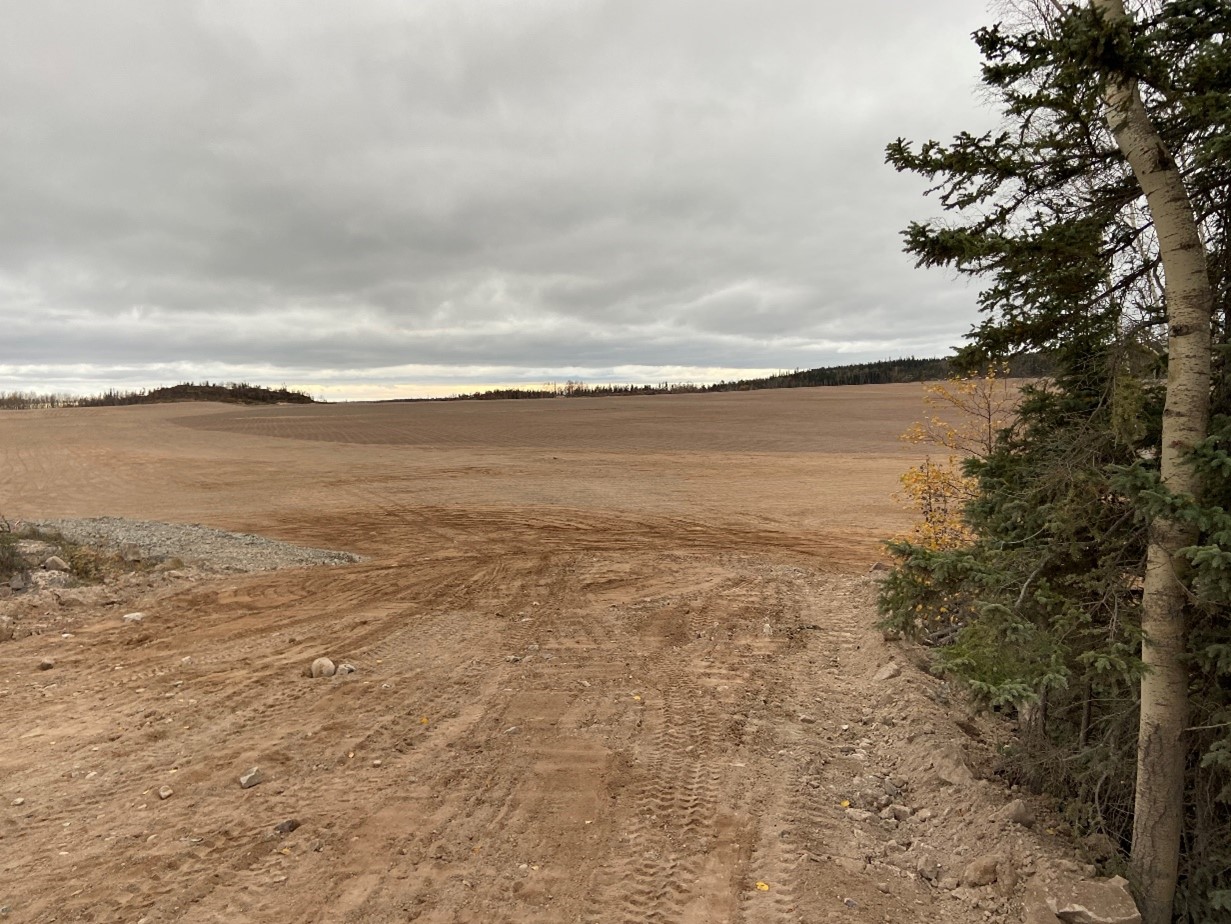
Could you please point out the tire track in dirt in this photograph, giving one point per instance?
(656, 759)
(817, 761)
(685, 849)
(693, 634)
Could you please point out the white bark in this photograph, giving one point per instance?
(1162, 748)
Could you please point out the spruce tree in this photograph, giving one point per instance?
(1098, 217)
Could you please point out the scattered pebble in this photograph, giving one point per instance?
(46, 664)
(19, 801)
(284, 828)
(251, 777)
(322, 667)
(166, 792)
(133, 617)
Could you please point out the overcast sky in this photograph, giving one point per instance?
(369, 198)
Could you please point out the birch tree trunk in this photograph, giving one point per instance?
(1162, 751)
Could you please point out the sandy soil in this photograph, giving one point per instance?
(614, 663)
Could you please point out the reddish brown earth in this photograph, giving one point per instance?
(615, 663)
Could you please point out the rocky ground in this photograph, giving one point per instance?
(123, 557)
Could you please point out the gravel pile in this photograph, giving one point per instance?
(208, 548)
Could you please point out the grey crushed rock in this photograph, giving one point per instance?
(209, 548)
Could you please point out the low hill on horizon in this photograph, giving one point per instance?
(230, 393)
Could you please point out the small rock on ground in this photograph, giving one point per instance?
(888, 672)
(251, 777)
(1017, 812)
(1087, 901)
(950, 767)
(322, 667)
(981, 871)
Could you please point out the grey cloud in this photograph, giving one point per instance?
(470, 183)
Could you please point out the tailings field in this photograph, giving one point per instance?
(614, 661)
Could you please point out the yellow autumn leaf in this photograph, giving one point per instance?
(762, 886)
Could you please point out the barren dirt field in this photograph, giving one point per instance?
(614, 662)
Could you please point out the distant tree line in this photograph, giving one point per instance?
(578, 389)
(231, 393)
(27, 400)
(883, 372)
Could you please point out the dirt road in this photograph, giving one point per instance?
(614, 663)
